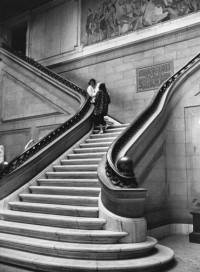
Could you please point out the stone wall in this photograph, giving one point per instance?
(53, 31)
(30, 106)
(182, 151)
(118, 69)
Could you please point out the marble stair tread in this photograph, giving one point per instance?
(98, 140)
(56, 226)
(53, 220)
(69, 168)
(95, 145)
(86, 155)
(103, 135)
(113, 130)
(151, 262)
(90, 150)
(76, 250)
(69, 182)
(115, 126)
(78, 174)
(60, 234)
(67, 210)
(82, 191)
(81, 161)
(60, 199)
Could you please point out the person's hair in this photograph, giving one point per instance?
(92, 80)
(102, 87)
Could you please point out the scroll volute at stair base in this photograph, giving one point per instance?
(123, 202)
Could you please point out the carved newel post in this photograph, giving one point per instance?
(121, 203)
(125, 166)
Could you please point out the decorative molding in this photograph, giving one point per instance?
(25, 16)
(142, 40)
(47, 127)
(15, 131)
(53, 109)
(170, 229)
(28, 117)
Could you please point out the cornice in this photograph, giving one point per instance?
(137, 41)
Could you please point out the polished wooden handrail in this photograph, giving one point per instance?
(116, 176)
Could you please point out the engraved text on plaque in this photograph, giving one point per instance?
(152, 77)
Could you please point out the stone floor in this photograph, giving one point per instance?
(187, 255)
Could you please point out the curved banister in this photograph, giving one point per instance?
(120, 146)
(41, 144)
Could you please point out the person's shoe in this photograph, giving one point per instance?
(106, 126)
(101, 132)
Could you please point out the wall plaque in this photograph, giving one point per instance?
(152, 77)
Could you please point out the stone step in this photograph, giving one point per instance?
(37, 262)
(78, 175)
(95, 145)
(70, 191)
(67, 210)
(114, 126)
(113, 130)
(99, 140)
(61, 200)
(86, 155)
(90, 150)
(69, 182)
(53, 220)
(77, 250)
(81, 161)
(69, 168)
(60, 234)
(103, 135)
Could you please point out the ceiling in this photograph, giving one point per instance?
(11, 8)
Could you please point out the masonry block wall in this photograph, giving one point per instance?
(30, 107)
(119, 69)
(182, 151)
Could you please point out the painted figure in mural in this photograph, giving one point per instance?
(102, 24)
(110, 15)
(125, 20)
(171, 8)
(116, 17)
(97, 19)
(101, 107)
(89, 26)
(152, 14)
(193, 5)
(137, 16)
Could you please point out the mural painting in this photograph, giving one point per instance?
(104, 19)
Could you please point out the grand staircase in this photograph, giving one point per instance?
(55, 226)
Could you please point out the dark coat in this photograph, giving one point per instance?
(101, 103)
